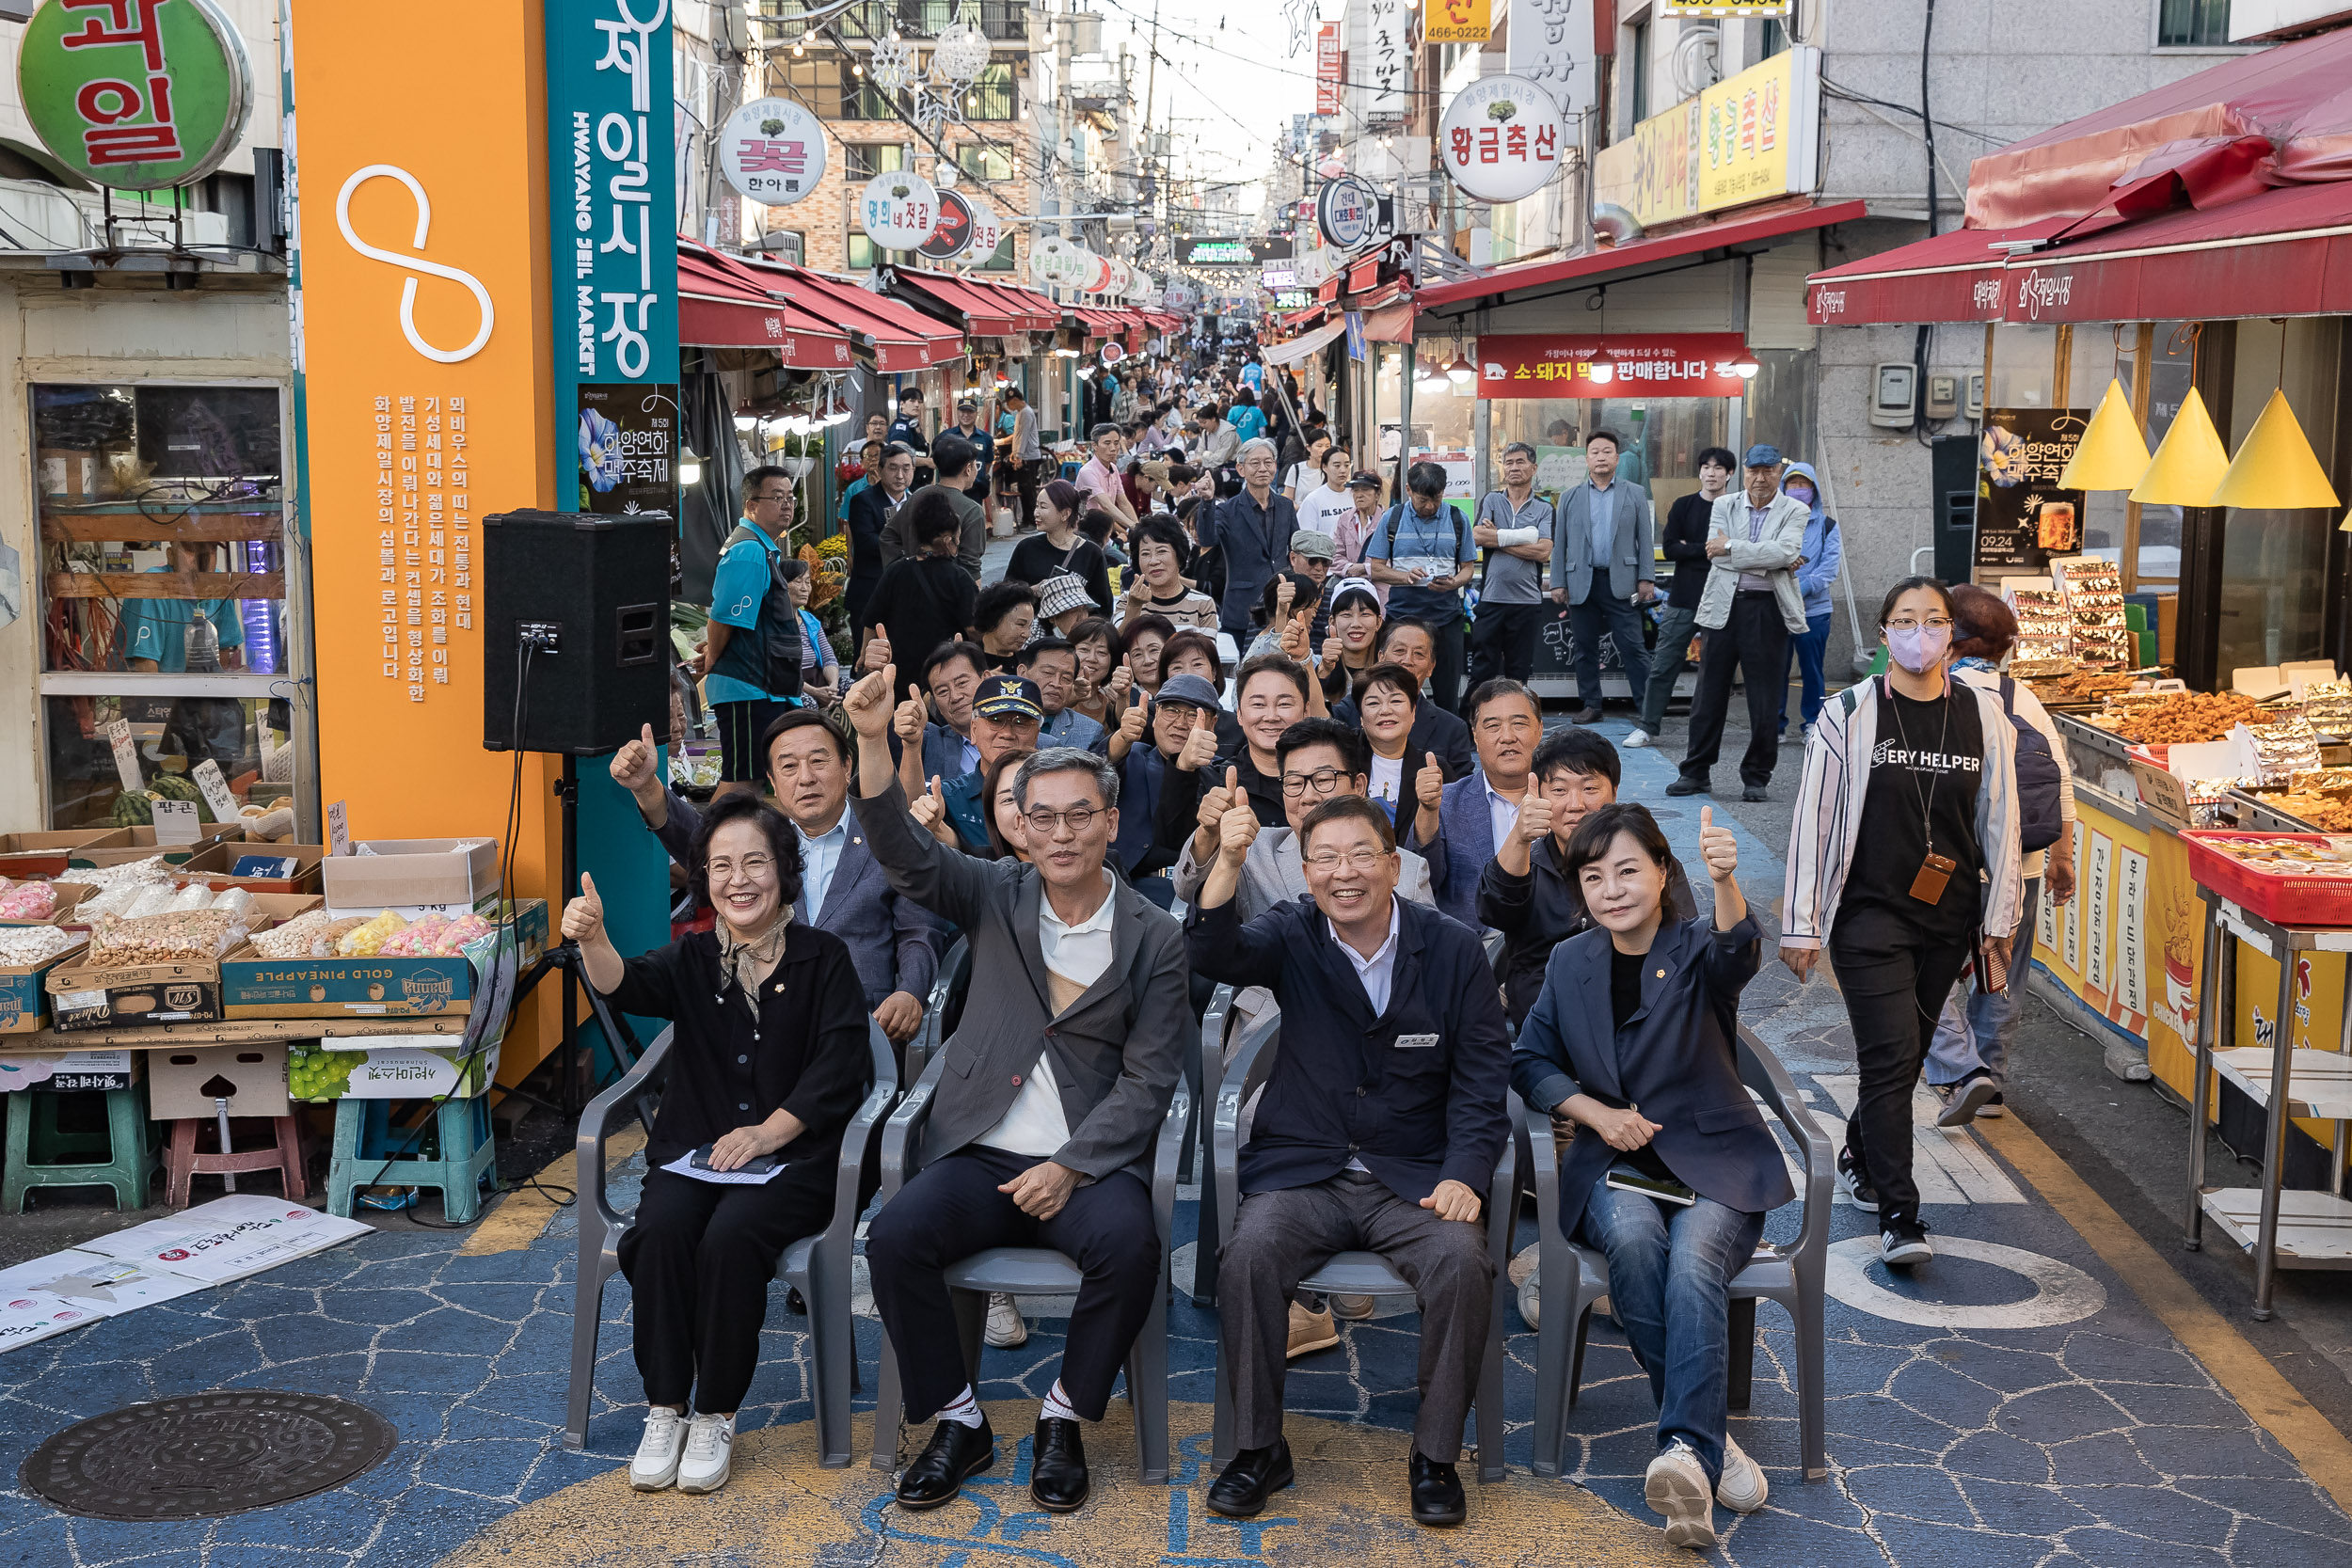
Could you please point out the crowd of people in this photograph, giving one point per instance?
(1188, 740)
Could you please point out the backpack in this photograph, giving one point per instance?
(1461, 526)
(2039, 779)
(769, 657)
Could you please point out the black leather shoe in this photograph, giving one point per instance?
(1252, 1476)
(954, 1451)
(1754, 793)
(1685, 784)
(1438, 1499)
(1058, 1465)
(1585, 716)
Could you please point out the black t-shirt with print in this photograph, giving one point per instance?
(1929, 754)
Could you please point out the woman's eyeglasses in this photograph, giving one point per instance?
(1906, 623)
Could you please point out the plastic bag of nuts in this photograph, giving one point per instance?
(192, 936)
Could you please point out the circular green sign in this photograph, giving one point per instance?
(141, 95)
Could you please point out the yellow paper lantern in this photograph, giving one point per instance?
(2113, 454)
(2276, 469)
(2189, 461)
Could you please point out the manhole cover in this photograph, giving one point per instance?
(206, 1454)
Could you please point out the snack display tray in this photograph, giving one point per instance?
(2303, 900)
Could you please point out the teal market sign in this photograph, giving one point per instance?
(140, 95)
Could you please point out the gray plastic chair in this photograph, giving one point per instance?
(1363, 1274)
(948, 988)
(1204, 1073)
(1574, 1276)
(816, 1266)
(1033, 1272)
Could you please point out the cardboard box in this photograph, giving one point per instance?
(24, 997)
(138, 843)
(398, 1067)
(69, 894)
(134, 997)
(213, 866)
(24, 855)
(253, 1077)
(71, 1069)
(255, 987)
(444, 874)
(530, 927)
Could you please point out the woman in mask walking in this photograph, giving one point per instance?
(1923, 769)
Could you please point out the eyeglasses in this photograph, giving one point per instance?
(1355, 860)
(1322, 781)
(751, 867)
(1077, 818)
(1933, 623)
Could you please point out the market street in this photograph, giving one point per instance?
(2030, 1393)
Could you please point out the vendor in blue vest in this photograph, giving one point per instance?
(751, 656)
(1423, 550)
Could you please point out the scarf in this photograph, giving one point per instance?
(749, 962)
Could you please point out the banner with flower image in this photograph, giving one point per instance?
(2023, 516)
(625, 445)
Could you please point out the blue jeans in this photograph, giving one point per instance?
(1808, 645)
(1978, 1035)
(1621, 619)
(1669, 1273)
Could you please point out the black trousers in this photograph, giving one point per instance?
(1027, 477)
(699, 1260)
(1503, 641)
(1895, 979)
(952, 1210)
(1755, 643)
(1445, 676)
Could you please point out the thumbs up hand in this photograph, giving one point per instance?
(1718, 846)
(909, 718)
(868, 703)
(1200, 746)
(929, 809)
(583, 917)
(1429, 783)
(1534, 820)
(1216, 802)
(633, 765)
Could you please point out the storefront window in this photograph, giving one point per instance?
(2171, 364)
(163, 587)
(2024, 368)
(2100, 357)
(2273, 567)
(1663, 437)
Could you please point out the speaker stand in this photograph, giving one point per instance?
(564, 955)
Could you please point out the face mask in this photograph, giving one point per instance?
(1919, 649)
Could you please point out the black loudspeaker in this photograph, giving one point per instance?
(577, 607)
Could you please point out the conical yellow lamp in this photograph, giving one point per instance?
(2113, 454)
(2276, 469)
(2189, 461)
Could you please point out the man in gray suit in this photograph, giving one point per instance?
(1053, 1090)
(893, 942)
(1604, 522)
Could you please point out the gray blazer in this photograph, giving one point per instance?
(893, 942)
(1633, 559)
(1118, 1051)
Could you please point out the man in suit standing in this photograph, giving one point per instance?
(1379, 1129)
(1052, 1094)
(1605, 526)
(1251, 533)
(1748, 610)
(1460, 826)
(894, 944)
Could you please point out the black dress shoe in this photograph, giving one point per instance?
(1438, 1499)
(1252, 1476)
(1685, 784)
(1585, 716)
(1754, 793)
(1058, 1465)
(954, 1451)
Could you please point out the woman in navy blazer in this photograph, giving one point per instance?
(1655, 1099)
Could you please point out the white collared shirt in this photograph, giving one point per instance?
(820, 856)
(1502, 814)
(1380, 971)
(1035, 1123)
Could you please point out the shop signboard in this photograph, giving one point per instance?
(771, 151)
(954, 235)
(1381, 55)
(1501, 138)
(1616, 365)
(139, 95)
(1347, 211)
(1747, 138)
(2023, 516)
(1458, 22)
(1329, 58)
(1550, 43)
(614, 238)
(1711, 9)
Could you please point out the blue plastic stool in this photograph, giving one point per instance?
(364, 1155)
(35, 1140)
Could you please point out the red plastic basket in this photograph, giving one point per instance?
(2301, 901)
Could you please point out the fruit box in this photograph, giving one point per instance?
(389, 1067)
(125, 845)
(254, 986)
(403, 873)
(71, 1069)
(24, 1000)
(134, 997)
(25, 855)
(253, 1075)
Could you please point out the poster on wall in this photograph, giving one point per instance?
(2023, 516)
(628, 433)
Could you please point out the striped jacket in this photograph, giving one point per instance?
(1828, 823)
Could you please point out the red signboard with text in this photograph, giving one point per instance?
(1327, 72)
(1618, 365)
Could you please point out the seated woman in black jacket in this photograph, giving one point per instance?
(1671, 1170)
(770, 1062)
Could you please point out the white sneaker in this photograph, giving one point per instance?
(1638, 738)
(655, 1464)
(710, 1451)
(1005, 1327)
(1743, 1488)
(1675, 1486)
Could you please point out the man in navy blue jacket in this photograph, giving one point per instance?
(1379, 1129)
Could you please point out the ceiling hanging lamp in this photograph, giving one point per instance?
(2274, 470)
(2188, 463)
(2112, 454)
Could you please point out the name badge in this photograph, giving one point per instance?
(1416, 1042)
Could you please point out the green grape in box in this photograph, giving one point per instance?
(315, 1073)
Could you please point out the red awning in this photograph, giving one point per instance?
(989, 310)
(902, 338)
(719, 310)
(1948, 278)
(1467, 293)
